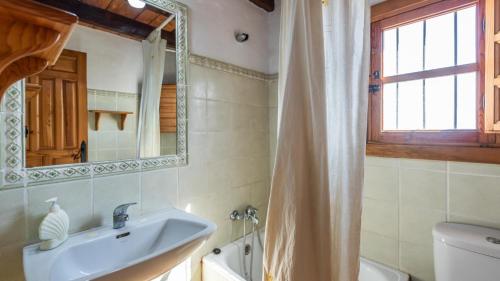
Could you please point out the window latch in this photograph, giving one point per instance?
(373, 88)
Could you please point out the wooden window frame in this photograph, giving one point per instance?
(451, 145)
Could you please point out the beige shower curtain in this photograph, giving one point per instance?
(314, 217)
(153, 49)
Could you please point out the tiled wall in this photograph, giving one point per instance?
(109, 142)
(273, 121)
(228, 169)
(404, 199)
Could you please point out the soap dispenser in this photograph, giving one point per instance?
(53, 230)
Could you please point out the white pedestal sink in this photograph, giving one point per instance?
(141, 251)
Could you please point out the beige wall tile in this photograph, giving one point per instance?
(380, 217)
(217, 180)
(417, 260)
(127, 102)
(130, 123)
(423, 164)
(416, 224)
(218, 115)
(109, 192)
(126, 139)
(475, 168)
(192, 180)
(247, 170)
(105, 102)
(221, 85)
(197, 115)
(379, 248)
(382, 161)
(259, 194)
(273, 93)
(218, 145)
(423, 188)
(74, 197)
(123, 154)
(197, 147)
(159, 190)
(92, 138)
(12, 216)
(381, 183)
(473, 220)
(241, 116)
(106, 155)
(106, 140)
(91, 98)
(475, 197)
(198, 80)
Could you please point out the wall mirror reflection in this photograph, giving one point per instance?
(112, 93)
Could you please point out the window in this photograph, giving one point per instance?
(427, 81)
(429, 73)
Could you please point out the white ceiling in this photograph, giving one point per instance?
(373, 2)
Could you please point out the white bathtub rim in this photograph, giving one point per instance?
(401, 275)
(221, 268)
(219, 263)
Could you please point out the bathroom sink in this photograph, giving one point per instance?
(142, 250)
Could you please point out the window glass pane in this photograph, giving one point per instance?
(440, 103)
(410, 105)
(390, 52)
(390, 106)
(466, 101)
(466, 36)
(410, 52)
(439, 41)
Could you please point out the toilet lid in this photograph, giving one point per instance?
(473, 238)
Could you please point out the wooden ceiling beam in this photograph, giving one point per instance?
(108, 20)
(267, 5)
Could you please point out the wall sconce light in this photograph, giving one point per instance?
(241, 36)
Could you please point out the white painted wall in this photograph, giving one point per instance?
(274, 38)
(212, 26)
(114, 63)
(114, 60)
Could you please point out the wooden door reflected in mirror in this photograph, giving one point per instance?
(56, 113)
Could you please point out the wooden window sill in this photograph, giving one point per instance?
(476, 154)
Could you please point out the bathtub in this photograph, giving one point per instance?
(228, 265)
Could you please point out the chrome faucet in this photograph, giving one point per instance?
(120, 215)
(236, 216)
(251, 214)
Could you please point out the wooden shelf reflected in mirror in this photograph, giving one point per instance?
(122, 114)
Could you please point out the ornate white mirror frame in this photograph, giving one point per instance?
(12, 152)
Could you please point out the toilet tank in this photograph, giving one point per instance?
(466, 252)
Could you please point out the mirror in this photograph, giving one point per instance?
(114, 92)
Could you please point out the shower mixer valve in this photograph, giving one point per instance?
(250, 214)
(236, 216)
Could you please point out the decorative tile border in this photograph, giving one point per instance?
(230, 68)
(104, 93)
(58, 173)
(12, 140)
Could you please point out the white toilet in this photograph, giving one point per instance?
(466, 252)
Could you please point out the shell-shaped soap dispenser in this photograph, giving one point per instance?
(53, 230)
